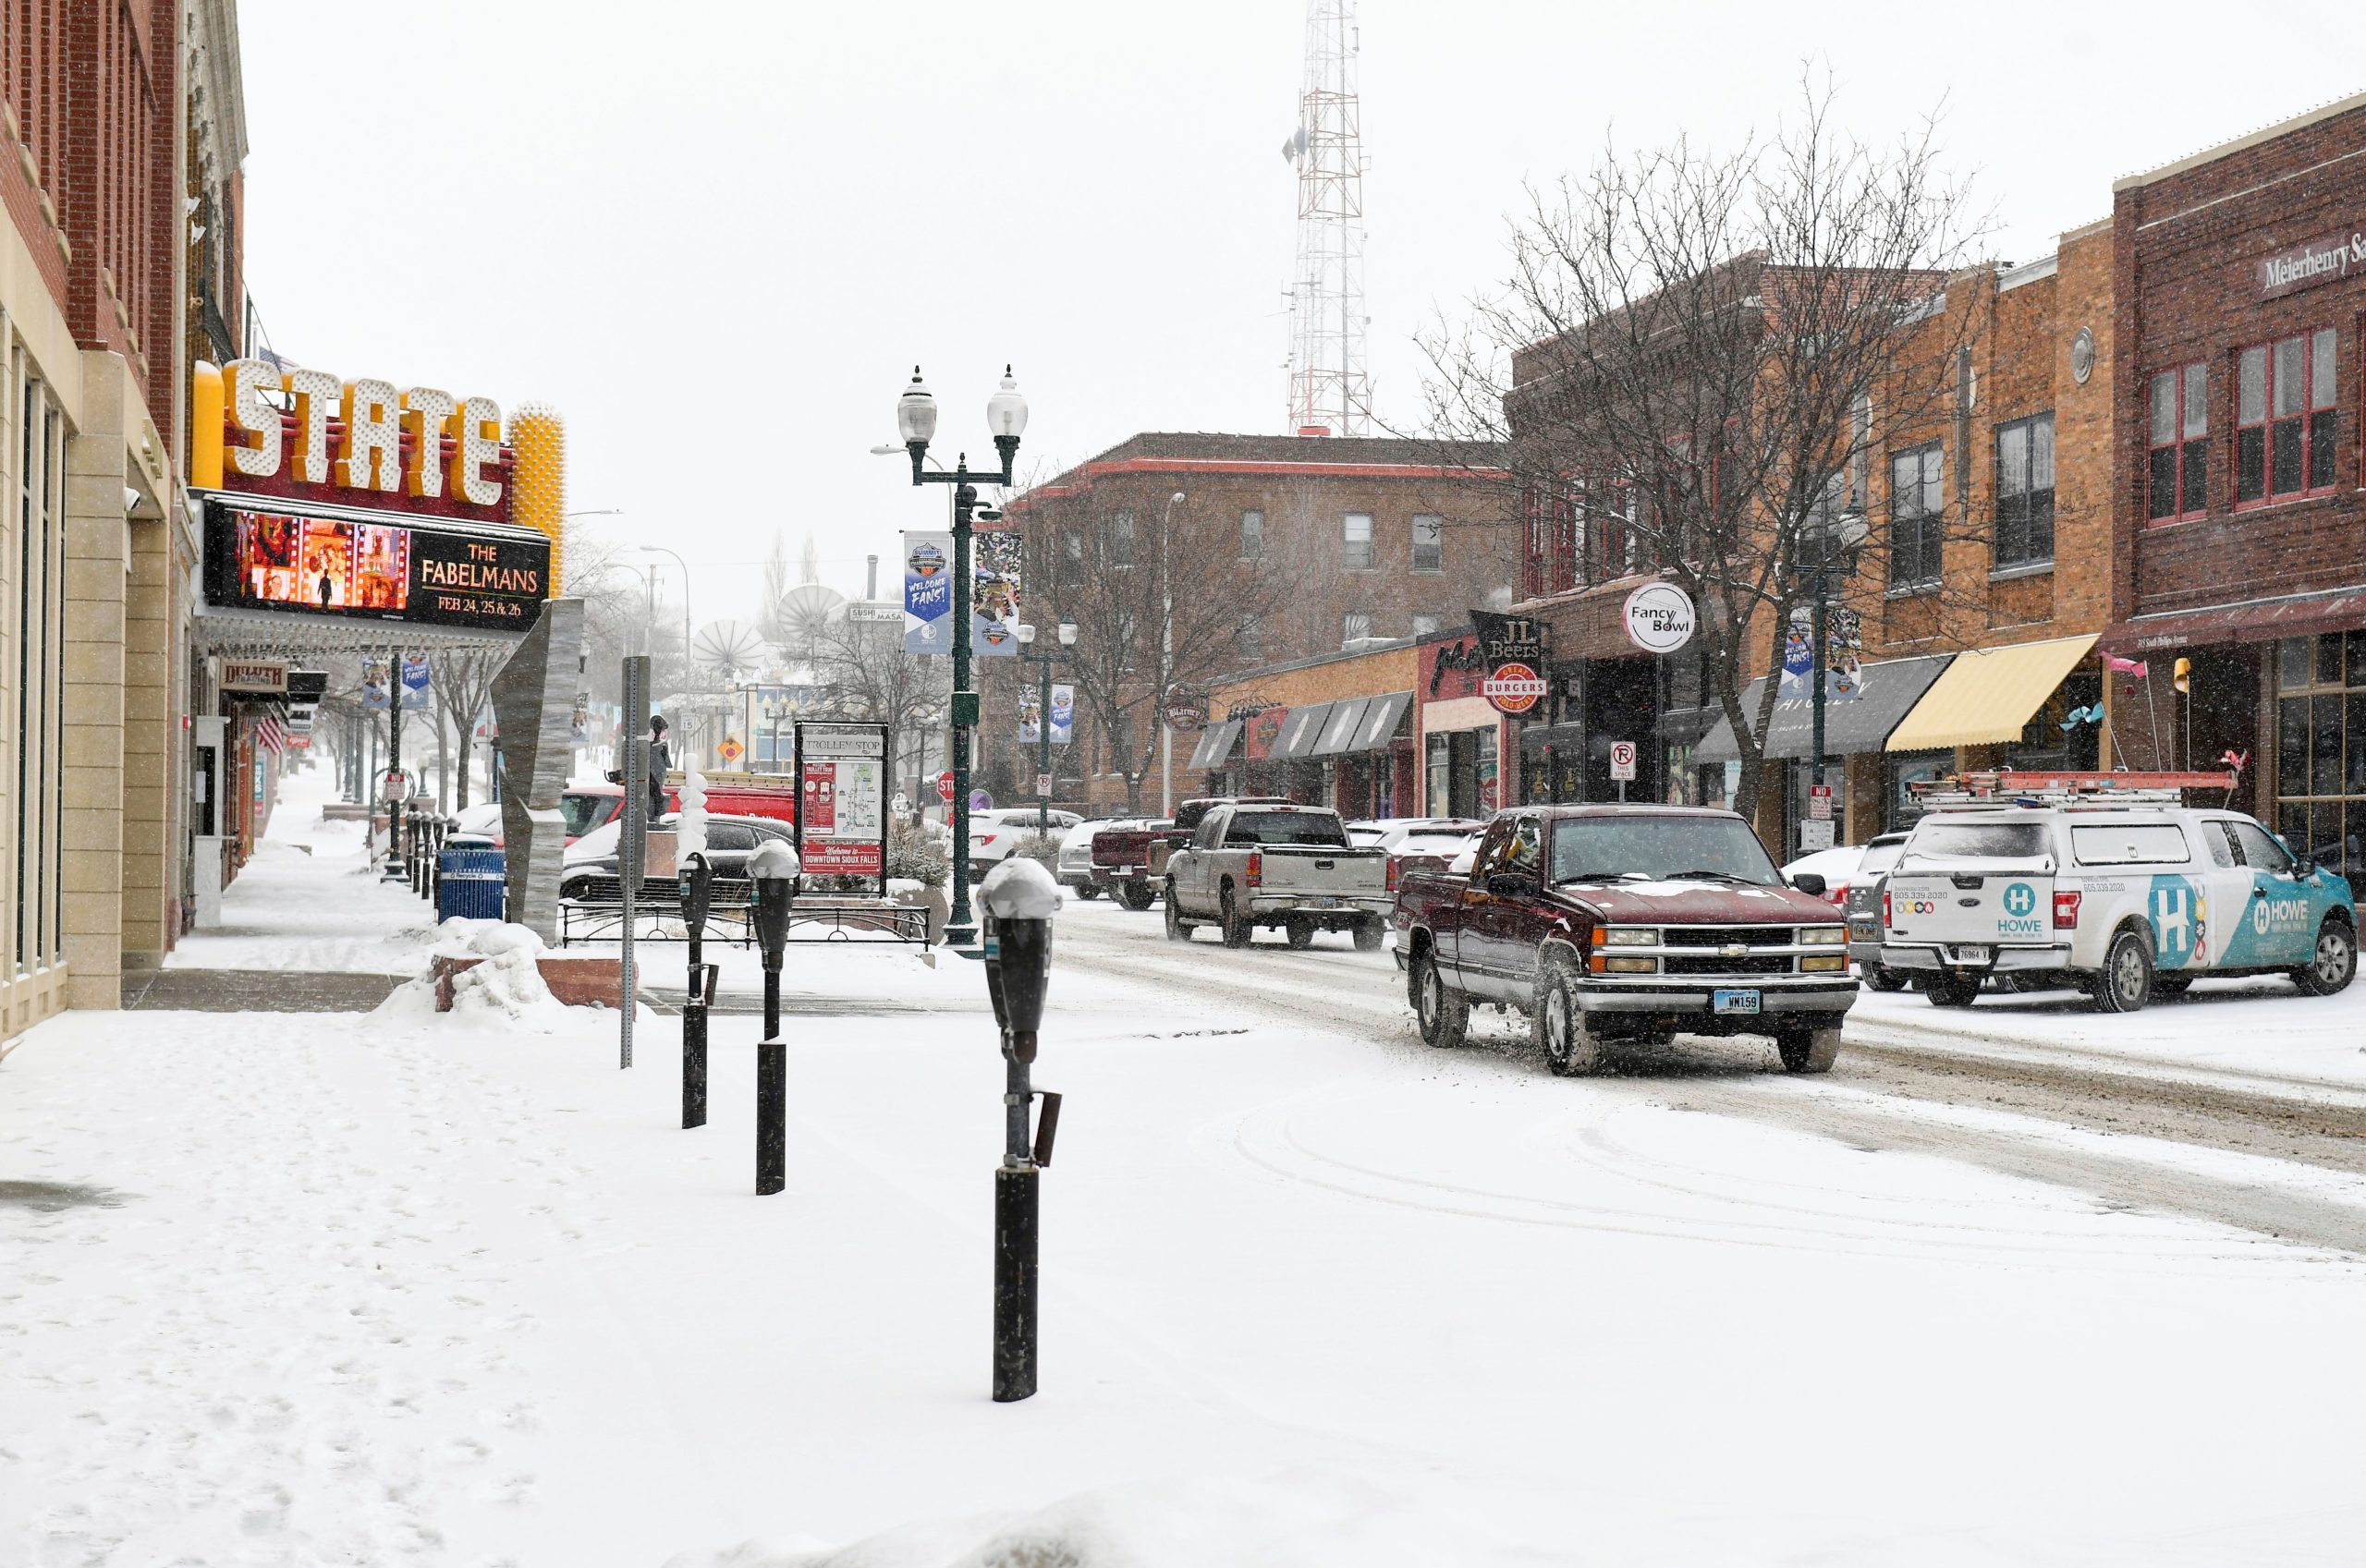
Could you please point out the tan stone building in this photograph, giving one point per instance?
(95, 537)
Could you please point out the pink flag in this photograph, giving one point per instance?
(2125, 666)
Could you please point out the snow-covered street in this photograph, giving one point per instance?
(420, 1288)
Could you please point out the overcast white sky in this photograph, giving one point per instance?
(718, 234)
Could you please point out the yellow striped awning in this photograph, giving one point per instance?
(1988, 695)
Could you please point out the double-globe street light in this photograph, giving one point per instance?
(1045, 661)
(916, 423)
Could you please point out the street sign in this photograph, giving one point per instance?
(730, 751)
(1043, 785)
(1815, 836)
(1513, 687)
(1820, 803)
(945, 786)
(1622, 761)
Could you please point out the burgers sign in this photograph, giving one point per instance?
(1513, 649)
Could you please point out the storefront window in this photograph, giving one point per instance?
(1440, 777)
(1490, 794)
(2321, 747)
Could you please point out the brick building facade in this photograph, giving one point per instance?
(2241, 280)
(1342, 542)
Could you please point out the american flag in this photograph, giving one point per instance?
(270, 733)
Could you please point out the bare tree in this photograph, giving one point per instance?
(1164, 609)
(864, 674)
(463, 681)
(1695, 358)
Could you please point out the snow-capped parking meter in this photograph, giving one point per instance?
(1020, 900)
(773, 869)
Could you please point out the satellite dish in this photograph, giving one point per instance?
(805, 610)
(725, 650)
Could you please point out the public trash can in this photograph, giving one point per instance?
(471, 884)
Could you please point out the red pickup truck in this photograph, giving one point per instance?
(1608, 923)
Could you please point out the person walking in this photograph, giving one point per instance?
(661, 763)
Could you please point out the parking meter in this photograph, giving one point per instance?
(773, 869)
(694, 881)
(1021, 898)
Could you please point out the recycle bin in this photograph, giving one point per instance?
(473, 885)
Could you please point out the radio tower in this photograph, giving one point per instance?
(1330, 394)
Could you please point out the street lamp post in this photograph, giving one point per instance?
(916, 422)
(687, 674)
(1166, 662)
(1835, 550)
(1043, 712)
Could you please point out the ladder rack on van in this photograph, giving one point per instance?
(2004, 786)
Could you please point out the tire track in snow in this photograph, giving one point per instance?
(1352, 993)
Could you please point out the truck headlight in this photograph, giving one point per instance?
(1631, 966)
(1822, 936)
(1625, 936)
(1823, 963)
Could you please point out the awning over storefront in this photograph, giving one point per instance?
(1216, 746)
(1379, 725)
(1888, 691)
(1339, 729)
(1300, 730)
(2256, 620)
(1988, 695)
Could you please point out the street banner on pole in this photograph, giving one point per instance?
(842, 799)
(994, 604)
(1031, 727)
(415, 680)
(377, 685)
(1844, 647)
(928, 593)
(1063, 714)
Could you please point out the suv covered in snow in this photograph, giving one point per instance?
(2124, 902)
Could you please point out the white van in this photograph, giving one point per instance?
(2124, 902)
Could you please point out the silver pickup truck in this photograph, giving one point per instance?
(1276, 865)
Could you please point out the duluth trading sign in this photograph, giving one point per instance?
(2329, 259)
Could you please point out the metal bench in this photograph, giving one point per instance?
(597, 914)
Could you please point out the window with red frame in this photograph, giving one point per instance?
(2179, 448)
(2283, 418)
(1613, 535)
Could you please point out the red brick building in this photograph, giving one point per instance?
(2240, 531)
(1347, 542)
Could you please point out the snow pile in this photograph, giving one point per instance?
(1020, 889)
(504, 988)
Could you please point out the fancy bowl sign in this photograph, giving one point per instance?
(1659, 617)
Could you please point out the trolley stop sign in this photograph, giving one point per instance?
(1513, 688)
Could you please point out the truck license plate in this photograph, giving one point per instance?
(1976, 955)
(1733, 1002)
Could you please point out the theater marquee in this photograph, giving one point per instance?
(351, 566)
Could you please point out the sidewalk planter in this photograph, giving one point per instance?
(578, 982)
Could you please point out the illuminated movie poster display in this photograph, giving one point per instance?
(437, 573)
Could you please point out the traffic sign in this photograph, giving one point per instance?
(945, 786)
(730, 751)
(1815, 836)
(1820, 803)
(1622, 761)
(1513, 688)
(1043, 785)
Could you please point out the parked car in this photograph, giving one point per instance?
(1432, 842)
(993, 835)
(2126, 903)
(589, 868)
(1076, 858)
(1121, 858)
(1614, 922)
(1278, 865)
(1864, 907)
